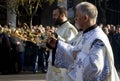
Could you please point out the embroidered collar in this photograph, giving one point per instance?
(90, 28)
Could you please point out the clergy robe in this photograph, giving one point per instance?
(65, 32)
(94, 60)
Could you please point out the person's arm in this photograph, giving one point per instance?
(96, 65)
(63, 55)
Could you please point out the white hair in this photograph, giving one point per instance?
(86, 8)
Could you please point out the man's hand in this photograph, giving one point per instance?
(51, 43)
(75, 54)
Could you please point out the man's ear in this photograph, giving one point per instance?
(86, 18)
(62, 15)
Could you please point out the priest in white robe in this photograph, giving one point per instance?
(92, 59)
(66, 32)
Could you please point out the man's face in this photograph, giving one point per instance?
(57, 17)
(78, 20)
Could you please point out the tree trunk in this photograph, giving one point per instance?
(31, 21)
(11, 16)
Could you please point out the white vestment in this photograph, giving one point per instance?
(65, 32)
(94, 61)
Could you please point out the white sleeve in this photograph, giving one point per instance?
(63, 56)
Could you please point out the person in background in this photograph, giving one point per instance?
(5, 54)
(20, 52)
(65, 31)
(116, 47)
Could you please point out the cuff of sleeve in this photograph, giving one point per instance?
(53, 53)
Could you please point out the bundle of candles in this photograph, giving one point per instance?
(35, 35)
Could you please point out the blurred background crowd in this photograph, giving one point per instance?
(22, 48)
(18, 53)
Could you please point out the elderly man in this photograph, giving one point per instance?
(92, 59)
(65, 31)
